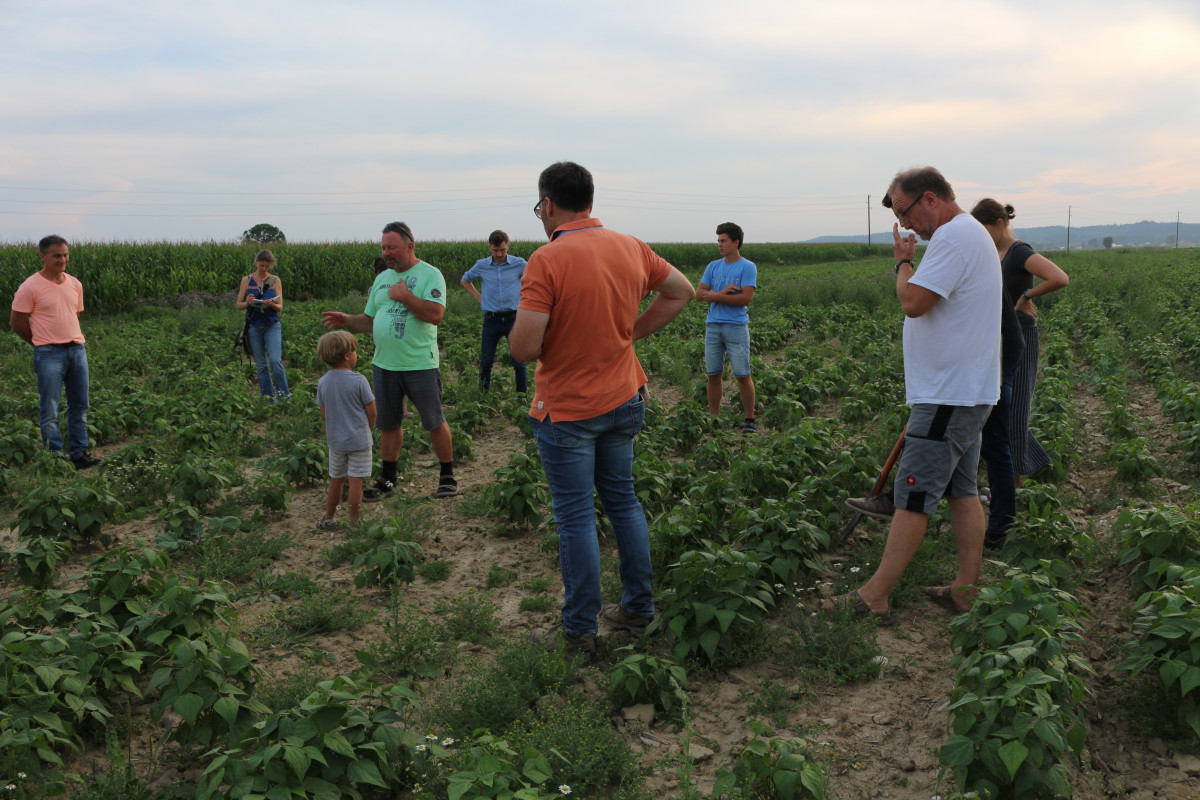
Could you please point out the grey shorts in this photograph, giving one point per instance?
(422, 386)
(940, 457)
(350, 463)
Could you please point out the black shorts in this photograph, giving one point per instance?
(422, 386)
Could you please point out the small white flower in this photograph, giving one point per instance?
(431, 737)
(779, 586)
(420, 748)
(564, 789)
(447, 742)
(837, 565)
(813, 614)
(854, 569)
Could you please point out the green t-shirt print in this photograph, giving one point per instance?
(403, 342)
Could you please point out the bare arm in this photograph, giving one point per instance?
(276, 302)
(915, 300)
(242, 300)
(527, 335)
(731, 295)
(673, 296)
(470, 287)
(370, 409)
(1053, 279)
(424, 310)
(359, 323)
(19, 322)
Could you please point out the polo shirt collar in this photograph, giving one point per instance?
(576, 226)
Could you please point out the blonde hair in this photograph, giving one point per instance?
(333, 347)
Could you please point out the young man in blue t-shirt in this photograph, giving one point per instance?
(728, 287)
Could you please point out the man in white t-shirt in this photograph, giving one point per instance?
(952, 380)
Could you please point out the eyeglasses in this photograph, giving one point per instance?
(903, 218)
(400, 228)
(537, 208)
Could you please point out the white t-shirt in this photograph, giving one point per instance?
(952, 351)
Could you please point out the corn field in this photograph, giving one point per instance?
(116, 276)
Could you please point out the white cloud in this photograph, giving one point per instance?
(782, 113)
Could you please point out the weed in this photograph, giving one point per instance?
(469, 618)
(833, 645)
(322, 611)
(434, 571)
(535, 604)
(597, 757)
(537, 583)
(411, 645)
(237, 557)
(280, 694)
(775, 702)
(491, 698)
(498, 576)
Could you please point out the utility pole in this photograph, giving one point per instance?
(1068, 229)
(869, 224)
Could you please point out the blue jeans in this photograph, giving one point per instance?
(493, 330)
(575, 456)
(55, 366)
(996, 452)
(266, 342)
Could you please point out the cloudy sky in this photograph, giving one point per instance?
(194, 121)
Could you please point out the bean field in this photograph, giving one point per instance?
(172, 625)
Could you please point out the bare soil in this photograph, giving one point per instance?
(882, 735)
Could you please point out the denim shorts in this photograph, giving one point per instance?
(940, 456)
(727, 337)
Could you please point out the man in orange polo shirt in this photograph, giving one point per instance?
(579, 318)
(45, 313)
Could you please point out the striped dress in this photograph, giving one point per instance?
(1028, 456)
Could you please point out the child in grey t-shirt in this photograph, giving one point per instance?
(348, 408)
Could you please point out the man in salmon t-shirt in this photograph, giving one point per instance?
(578, 317)
(45, 313)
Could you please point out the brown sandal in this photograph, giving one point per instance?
(944, 597)
(859, 607)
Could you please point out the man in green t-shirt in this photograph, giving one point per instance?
(406, 303)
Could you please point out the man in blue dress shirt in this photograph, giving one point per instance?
(500, 278)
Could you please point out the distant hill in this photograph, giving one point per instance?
(1054, 237)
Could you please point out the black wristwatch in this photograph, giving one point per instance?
(904, 261)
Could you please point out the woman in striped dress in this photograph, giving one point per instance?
(1020, 265)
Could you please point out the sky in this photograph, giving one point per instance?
(165, 120)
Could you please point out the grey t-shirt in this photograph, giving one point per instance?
(344, 394)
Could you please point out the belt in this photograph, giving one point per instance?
(499, 314)
(64, 345)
